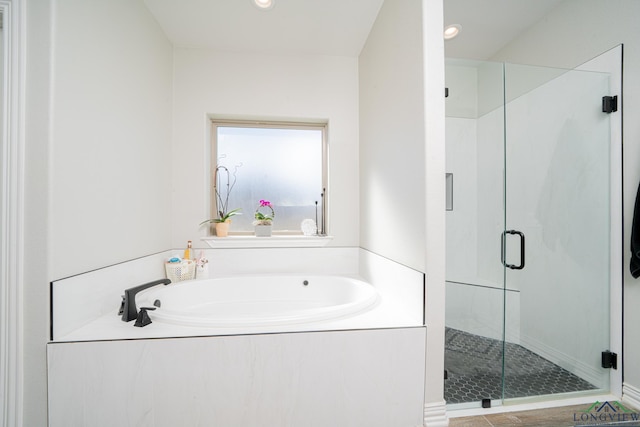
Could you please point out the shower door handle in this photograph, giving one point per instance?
(503, 238)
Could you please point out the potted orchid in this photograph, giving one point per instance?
(224, 179)
(263, 222)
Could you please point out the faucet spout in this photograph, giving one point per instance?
(129, 310)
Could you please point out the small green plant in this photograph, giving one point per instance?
(224, 216)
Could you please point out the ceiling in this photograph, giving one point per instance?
(488, 25)
(333, 27)
(320, 27)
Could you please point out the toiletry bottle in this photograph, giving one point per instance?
(187, 252)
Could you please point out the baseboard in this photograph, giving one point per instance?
(631, 395)
(435, 414)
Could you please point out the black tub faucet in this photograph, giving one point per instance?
(128, 308)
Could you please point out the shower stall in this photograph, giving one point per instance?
(529, 232)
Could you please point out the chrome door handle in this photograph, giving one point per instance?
(503, 237)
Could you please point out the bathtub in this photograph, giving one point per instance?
(251, 300)
(336, 339)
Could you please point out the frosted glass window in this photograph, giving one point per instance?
(282, 164)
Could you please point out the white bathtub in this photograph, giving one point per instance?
(258, 300)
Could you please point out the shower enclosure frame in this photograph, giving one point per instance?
(609, 62)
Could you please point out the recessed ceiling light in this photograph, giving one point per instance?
(264, 4)
(452, 31)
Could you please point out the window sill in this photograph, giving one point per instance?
(267, 242)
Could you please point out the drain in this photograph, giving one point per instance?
(306, 283)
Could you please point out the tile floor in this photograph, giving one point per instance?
(566, 416)
(474, 368)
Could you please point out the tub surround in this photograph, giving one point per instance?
(347, 379)
(367, 369)
(81, 299)
(85, 306)
(78, 300)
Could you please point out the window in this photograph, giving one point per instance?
(284, 163)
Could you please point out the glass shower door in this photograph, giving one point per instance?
(475, 309)
(557, 235)
(528, 232)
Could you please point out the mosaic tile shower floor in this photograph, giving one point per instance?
(474, 367)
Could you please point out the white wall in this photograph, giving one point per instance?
(262, 86)
(576, 31)
(110, 175)
(97, 153)
(36, 277)
(36, 221)
(392, 136)
(434, 245)
(402, 160)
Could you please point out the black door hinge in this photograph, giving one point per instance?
(609, 104)
(609, 360)
(446, 92)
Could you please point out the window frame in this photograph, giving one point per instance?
(322, 126)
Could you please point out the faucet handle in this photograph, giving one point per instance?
(129, 310)
(143, 318)
(121, 310)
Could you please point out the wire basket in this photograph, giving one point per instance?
(179, 271)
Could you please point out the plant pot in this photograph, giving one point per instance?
(263, 230)
(222, 228)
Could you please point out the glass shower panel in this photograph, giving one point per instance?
(475, 297)
(557, 220)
